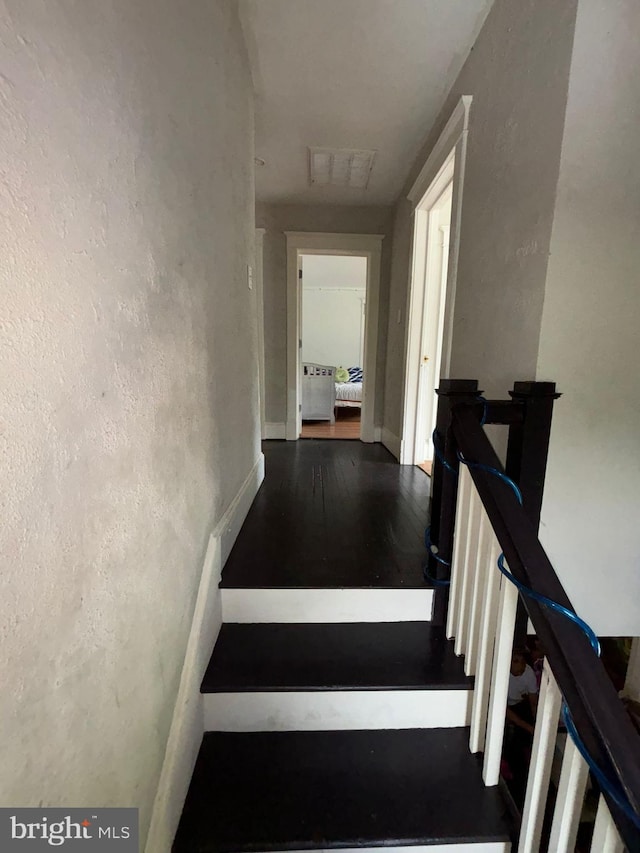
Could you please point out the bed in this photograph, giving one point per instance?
(349, 393)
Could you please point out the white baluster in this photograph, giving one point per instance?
(475, 505)
(571, 788)
(605, 834)
(488, 622)
(459, 547)
(500, 681)
(544, 742)
(478, 586)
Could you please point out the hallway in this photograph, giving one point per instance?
(165, 166)
(332, 514)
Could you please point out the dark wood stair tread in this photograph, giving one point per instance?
(357, 656)
(263, 791)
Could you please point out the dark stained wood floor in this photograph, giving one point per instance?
(332, 514)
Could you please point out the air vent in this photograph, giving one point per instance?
(340, 167)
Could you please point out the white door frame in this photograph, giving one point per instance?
(314, 243)
(430, 300)
(445, 163)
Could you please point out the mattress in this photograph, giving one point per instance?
(348, 393)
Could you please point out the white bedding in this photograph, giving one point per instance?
(348, 393)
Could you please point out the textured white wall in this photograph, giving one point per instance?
(333, 326)
(589, 338)
(128, 388)
(334, 293)
(334, 271)
(517, 73)
(278, 218)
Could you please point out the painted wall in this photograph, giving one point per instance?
(589, 337)
(334, 290)
(128, 388)
(276, 219)
(517, 73)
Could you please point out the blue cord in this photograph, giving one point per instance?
(606, 786)
(430, 578)
(496, 473)
(429, 546)
(552, 605)
(425, 569)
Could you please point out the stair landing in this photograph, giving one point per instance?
(332, 514)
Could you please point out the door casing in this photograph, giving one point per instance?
(315, 243)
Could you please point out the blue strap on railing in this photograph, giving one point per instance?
(427, 538)
(425, 569)
(448, 467)
(478, 466)
(606, 785)
(552, 605)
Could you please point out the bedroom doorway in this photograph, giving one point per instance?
(333, 297)
(311, 371)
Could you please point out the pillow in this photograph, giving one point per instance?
(342, 374)
(355, 374)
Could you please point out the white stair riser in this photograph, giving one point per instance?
(326, 605)
(330, 710)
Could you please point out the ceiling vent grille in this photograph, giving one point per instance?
(340, 167)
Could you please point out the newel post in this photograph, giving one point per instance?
(527, 452)
(528, 445)
(444, 486)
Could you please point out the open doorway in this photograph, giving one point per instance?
(333, 291)
(435, 225)
(437, 196)
(365, 249)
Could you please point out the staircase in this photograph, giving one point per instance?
(329, 722)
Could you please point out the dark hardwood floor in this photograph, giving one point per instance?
(332, 514)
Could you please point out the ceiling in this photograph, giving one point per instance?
(365, 74)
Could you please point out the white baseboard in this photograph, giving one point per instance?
(187, 725)
(277, 431)
(229, 525)
(327, 605)
(329, 710)
(392, 442)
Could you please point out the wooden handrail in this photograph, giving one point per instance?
(599, 715)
